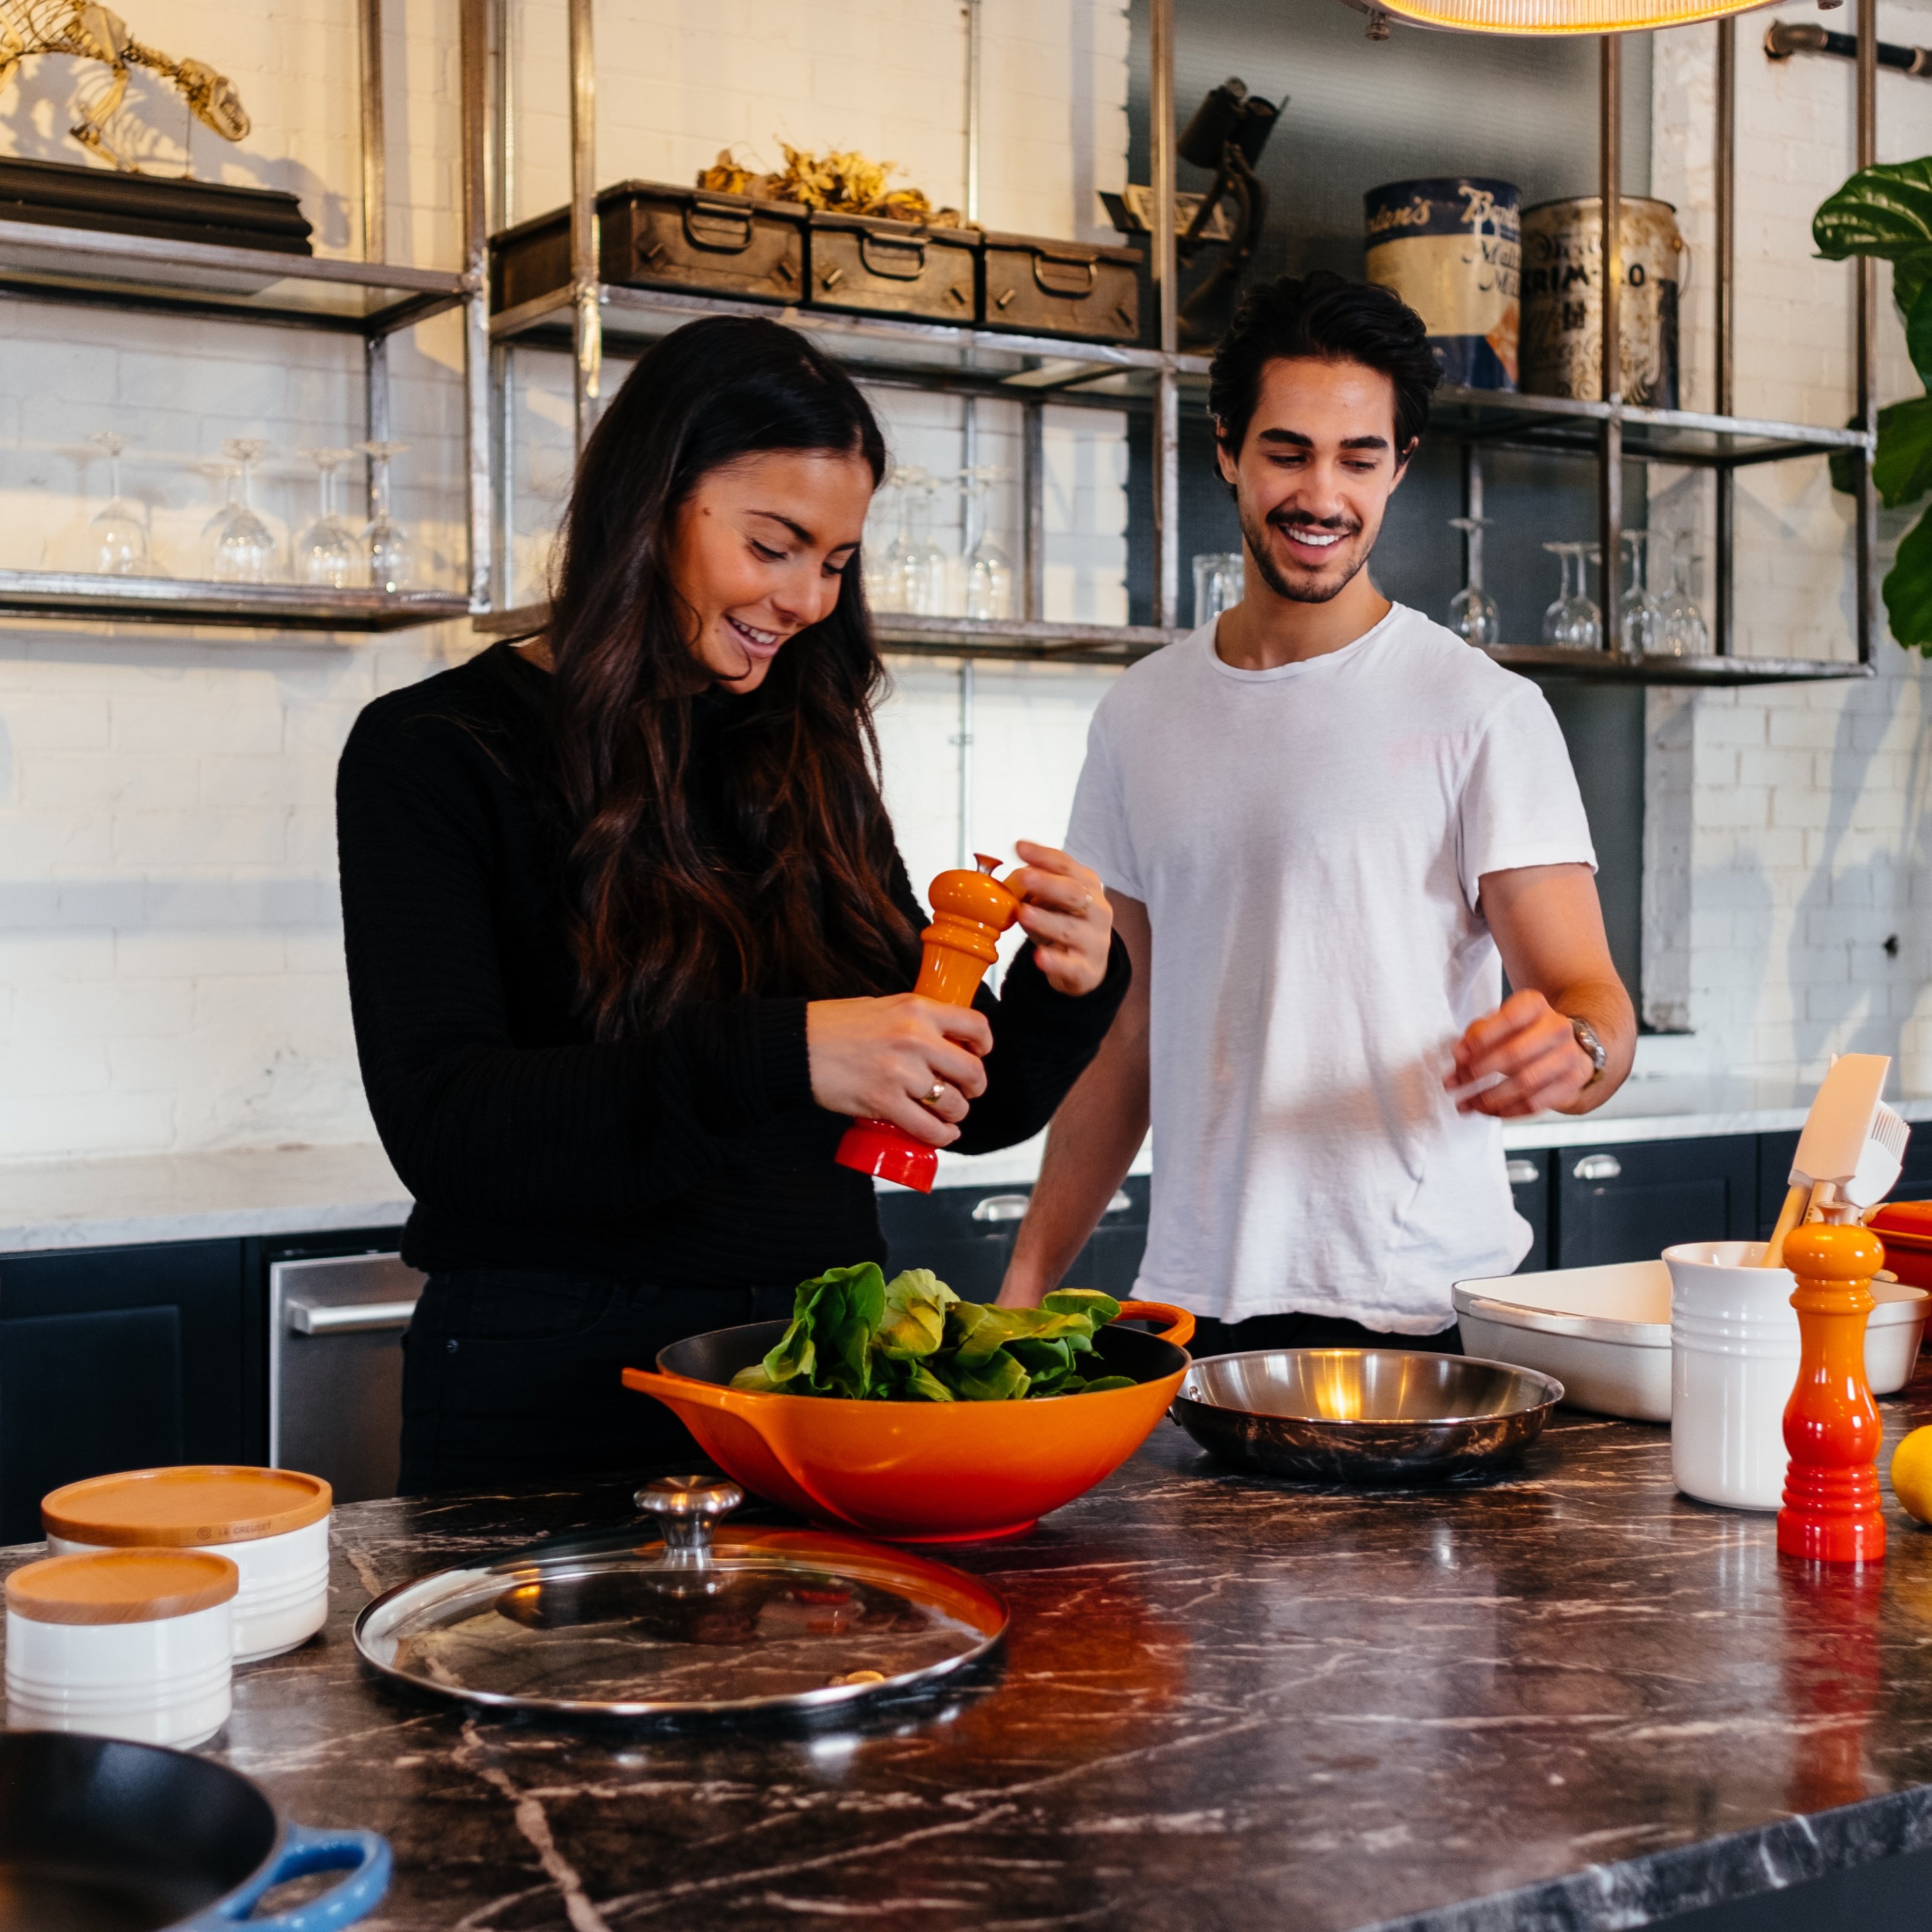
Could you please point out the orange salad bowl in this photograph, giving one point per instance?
(921, 1471)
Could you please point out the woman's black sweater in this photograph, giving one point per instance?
(695, 1157)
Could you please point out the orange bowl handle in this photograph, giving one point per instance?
(684, 1388)
(1180, 1329)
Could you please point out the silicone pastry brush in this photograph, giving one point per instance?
(1881, 1162)
(1833, 1143)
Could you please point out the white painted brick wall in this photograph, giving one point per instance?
(170, 965)
(1787, 826)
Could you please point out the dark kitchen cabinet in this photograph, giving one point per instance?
(965, 1236)
(120, 1358)
(1529, 1189)
(1629, 1203)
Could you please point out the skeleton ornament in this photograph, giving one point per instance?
(90, 32)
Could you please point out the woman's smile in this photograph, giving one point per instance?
(759, 644)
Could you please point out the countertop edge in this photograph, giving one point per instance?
(214, 1224)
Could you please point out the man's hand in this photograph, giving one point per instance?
(1549, 929)
(1533, 1047)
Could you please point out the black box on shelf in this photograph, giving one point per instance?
(1034, 287)
(652, 235)
(894, 268)
(60, 194)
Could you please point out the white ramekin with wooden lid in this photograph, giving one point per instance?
(122, 1643)
(273, 1523)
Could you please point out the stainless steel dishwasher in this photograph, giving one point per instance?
(335, 1369)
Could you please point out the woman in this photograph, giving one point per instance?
(628, 938)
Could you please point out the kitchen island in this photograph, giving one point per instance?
(1564, 1698)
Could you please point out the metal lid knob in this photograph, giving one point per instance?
(688, 1508)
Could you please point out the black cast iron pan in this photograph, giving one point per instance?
(99, 1835)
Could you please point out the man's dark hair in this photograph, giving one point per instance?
(1329, 319)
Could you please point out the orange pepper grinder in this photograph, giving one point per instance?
(1830, 1512)
(970, 911)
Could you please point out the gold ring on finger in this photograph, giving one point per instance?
(933, 1098)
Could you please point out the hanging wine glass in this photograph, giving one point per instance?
(327, 553)
(245, 550)
(897, 573)
(989, 572)
(386, 549)
(117, 536)
(226, 479)
(1587, 616)
(1643, 616)
(1558, 620)
(1684, 632)
(933, 567)
(882, 576)
(1473, 614)
(922, 563)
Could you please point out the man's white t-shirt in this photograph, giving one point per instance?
(1308, 841)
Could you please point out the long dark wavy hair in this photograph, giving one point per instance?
(666, 907)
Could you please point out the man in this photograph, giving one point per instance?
(1326, 826)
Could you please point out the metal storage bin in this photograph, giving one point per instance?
(1062, 288)
(652, 235)
(894, 268)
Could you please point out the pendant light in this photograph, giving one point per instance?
(1546, 17)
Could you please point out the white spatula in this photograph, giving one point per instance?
(1833, 1143)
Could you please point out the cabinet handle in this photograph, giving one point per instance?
(345, 1318)
(1598, 1167)
(1001, 1208)
(1522, 1172)
(1121, 1202)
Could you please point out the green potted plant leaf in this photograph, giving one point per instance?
(1886, 212)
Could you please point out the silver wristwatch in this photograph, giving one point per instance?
(1586, 1038)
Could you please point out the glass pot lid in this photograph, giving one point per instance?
(707, 1617)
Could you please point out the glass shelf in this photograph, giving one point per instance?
(904, 635)
(142, 272)
(634, 317)
(1687, 437)
(280, 607)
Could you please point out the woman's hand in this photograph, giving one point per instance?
(882, 1060)
(1065, 914)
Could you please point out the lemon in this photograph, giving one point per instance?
(1912, 1475)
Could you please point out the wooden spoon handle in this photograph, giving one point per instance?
(1797, 1203)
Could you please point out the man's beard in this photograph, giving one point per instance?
(1256, 534)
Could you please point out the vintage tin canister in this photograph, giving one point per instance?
(1563, 299)
(1451, 246)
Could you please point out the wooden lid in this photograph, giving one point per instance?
(178, 1508)
(122, 1586)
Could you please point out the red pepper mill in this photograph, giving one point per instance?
(970, 911)
(1830, 1512)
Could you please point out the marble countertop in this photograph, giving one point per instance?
(197, 1197)
(300, 1190)
(1565, 1699)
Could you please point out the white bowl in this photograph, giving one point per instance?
(1604, 1333)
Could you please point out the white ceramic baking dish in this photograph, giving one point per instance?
(1604, 1333)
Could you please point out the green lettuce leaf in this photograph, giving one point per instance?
(921, 1384)
(856, 1336)
(1000, 1378)
(914, 1324)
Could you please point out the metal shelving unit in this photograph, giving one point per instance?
(589, 316)
(373, 299)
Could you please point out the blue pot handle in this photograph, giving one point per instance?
(364, 1855)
